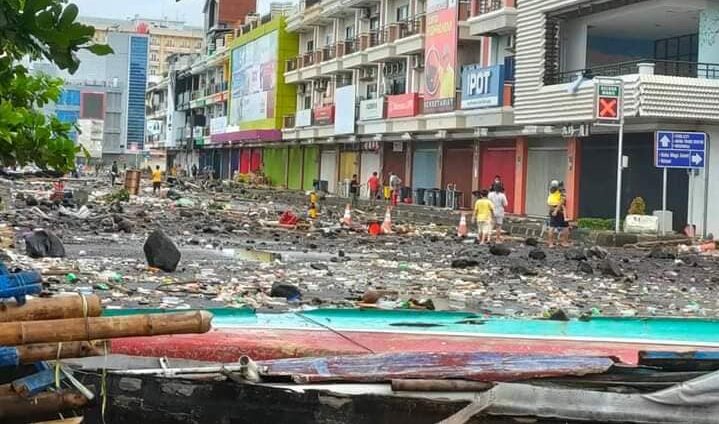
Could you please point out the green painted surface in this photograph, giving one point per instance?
(274, 162)
(690, 330)
(294, 177)
(311, 166)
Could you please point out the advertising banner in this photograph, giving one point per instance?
(402, 105)
(218, 125)
(254, 81)
(482, 87)
(303, 118)
(345, 110)
(324, 115)
(371, 109)
(440, 55)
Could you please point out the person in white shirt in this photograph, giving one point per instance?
(499, 200)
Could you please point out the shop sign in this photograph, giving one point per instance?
(371, 109)
(346, 110)
(402, 105)
(324, 115)
(482, 87)
(303, 118)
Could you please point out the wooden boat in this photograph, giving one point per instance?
(326, 332)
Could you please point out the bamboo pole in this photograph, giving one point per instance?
(95, 328)
(59, 307)
(42, 405)
(73, 420)
(29, 354)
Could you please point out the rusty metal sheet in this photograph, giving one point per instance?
(476, 366)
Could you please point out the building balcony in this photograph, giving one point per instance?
(355, 55)
(653, 89)
(310, 13)
(492, 17)
(410, 36)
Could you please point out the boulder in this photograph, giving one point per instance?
(161, 251)
(31, 200)
(556, 314)
(610, 268)
(537, 254)
(575, 255)
(585, 267)
(500, 250)
(598, 252)
(531, 241)
(124, 225)
(288, 291)
(44, 244)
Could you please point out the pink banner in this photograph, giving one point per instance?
(440, 66)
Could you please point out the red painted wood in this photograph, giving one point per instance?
(226, 345)
(499, 161)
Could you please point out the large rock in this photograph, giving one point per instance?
(659, 252)
(161, 252)
(598, 252)
(531, 241)
(500, 250)
(585, 267)
(464, 263)
(610, 268)
(575, 255)
(537, 254)
(288, 291)
(44, 244)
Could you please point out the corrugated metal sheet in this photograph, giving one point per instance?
(310, 166)
(294, 172)
(275, 165)
(477, 366)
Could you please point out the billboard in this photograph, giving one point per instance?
(482, 87)
(254, 83)
(345, 110)
(440, 56)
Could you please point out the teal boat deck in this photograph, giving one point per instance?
(680, 331)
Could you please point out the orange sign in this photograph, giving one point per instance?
(402, 105)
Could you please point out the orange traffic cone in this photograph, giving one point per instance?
(462, 228)
(387, 223)
(347, 218)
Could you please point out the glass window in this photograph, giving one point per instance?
(374, 23)
(349, 32)
(403, 13)
(137, 82)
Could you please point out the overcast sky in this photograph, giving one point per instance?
(189, 11)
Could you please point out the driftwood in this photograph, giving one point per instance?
(60, 307)
(41, 405)
(96, 328)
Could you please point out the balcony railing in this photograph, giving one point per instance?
(351, 45)
(465, 9)
(661, 67)
(288, 121)
(291, 64)
(329, 52)
(487, 6)
(376, 37)
(412, 27)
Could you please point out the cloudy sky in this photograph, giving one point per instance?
(189, 11)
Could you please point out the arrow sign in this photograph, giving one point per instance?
(677, 149)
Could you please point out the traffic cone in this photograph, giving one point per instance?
(347, 218)
(387, 223)
(462, 228)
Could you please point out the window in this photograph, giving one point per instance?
(310, 46)
(153, 57)
(307, 101)
(371, 91)
(92, 106)
(67, 116)
(403, 13)
(153, 71)
(137, 82)
(350, 32)
(374, 23)
(170, 42)
(69, 97)
(684, 48)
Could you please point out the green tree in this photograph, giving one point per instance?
(38, 29)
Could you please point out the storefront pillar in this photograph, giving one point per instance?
(520, 176)
(571, 182)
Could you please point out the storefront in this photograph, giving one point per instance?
(457, 167)
(294, 168)
(546, 161)
(394, 159)
(274, 162)
(369, 163)
(425, 161)
(498, 159)
(348, 168)
(310, 166)
(328, 168)
(250, 159)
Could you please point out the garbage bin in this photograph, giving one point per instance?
(440, 197)
(430, 198)
(418, 196)
(456, 201)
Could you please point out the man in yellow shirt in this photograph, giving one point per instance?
(156, 180)
(483, 215)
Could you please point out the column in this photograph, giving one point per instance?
(408, 164)
(476, 165)
(709, 35)
(440, 163)
(571, 181)
(520, 176)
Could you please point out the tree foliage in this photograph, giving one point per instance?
(37, 29)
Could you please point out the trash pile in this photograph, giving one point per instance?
(222, 244)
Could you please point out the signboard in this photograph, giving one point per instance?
(608, 102)
(482, 87)
(324, 115)
(303, 118)
(440, 54)
(673, 149)
(402, 105)
(254, 81)
(218, 125)
(345, 110)
(371, 109)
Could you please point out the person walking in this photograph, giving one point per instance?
(499, 200)
(558, 226)
(156, 180)
(395, 184)
(483, 214)
(113, 173)
(354, 190)
(373, 187)
(194, 171)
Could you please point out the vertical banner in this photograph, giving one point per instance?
(440, 56)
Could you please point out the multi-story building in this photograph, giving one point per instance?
(166, 37)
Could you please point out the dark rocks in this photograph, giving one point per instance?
(598, 252)
(521, 269)
(173, 195)
(31, 201)
(161, 252)
(556, 314)
(531, 241)
(500, 250)
(124, 225)
(575, 255)
(464, 263)
(288, 291)
(585, 268)
(319, 266)
(44, 244)
(212, 229)
(537, 254)
(610, 268)
(659, 252)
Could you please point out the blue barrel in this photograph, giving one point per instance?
(35, 383)
(19, 284)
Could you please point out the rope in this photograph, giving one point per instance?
(336, 332)
(57, 366)
(85, 311)
(103, 386)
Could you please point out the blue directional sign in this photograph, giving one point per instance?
(675, 149)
